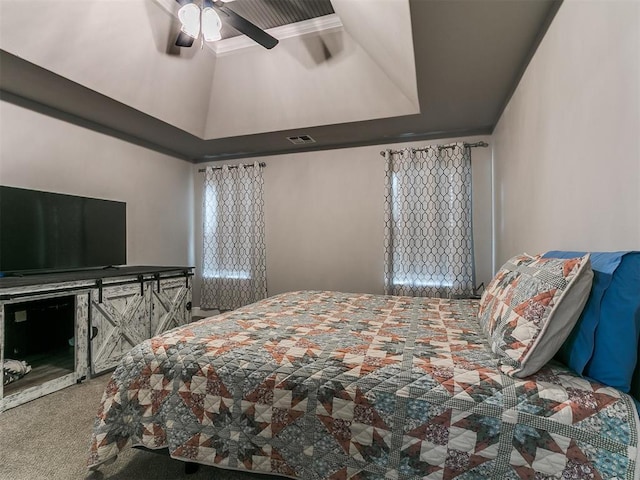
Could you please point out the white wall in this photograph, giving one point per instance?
(117, 48)
(383, 29)
(43, 153)
(323, 210)
(324, 218)
(567, 147)
(293, 86)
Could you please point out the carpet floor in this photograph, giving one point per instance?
(48, 439)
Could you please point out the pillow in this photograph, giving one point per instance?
(604, 342)
(578, 348)
(530, 307)
(14, 370)
(487, 311)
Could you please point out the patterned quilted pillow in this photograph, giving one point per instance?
(530, 307)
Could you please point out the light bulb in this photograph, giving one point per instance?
(189, 16)
(211, 25)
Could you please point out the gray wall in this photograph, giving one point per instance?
(43, 153)
(567, 148)
(324, 218)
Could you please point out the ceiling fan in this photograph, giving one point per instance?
(209, 18)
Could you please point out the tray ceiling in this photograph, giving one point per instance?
(395, 70)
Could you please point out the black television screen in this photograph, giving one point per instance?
(43, 231)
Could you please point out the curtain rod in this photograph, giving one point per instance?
(440, 147)
(261, 164)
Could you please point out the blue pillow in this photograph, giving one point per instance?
(604, 343)
(578, 348)
(616, 348)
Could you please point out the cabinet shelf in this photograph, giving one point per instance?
(45, 366)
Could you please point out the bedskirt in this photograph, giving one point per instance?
(328, 385)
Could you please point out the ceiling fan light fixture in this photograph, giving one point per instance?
(202, 16)
(189, 16)
(211, 25)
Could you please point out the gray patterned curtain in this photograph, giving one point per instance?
(234, 263)
(428, 229)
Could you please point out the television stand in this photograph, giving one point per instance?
(72, 325)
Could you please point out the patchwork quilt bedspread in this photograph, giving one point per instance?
(327, 385)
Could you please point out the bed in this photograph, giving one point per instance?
(319, 385)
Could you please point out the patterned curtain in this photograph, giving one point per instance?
(428, 230)
(234, 261)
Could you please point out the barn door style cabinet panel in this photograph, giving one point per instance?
(170, 305)
(120, 319)
(123, 315)
(58, 329)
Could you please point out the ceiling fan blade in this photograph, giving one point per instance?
(245, 26)
(184, 40)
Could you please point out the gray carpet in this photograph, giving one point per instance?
(48, 438)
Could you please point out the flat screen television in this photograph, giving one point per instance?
(43, 232)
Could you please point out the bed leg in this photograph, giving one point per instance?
(190, 468)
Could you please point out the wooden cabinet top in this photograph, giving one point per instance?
(89, 277)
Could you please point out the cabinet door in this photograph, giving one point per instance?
(118, 323)
(169, 305)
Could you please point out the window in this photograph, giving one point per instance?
(234, 265)
(428, 238)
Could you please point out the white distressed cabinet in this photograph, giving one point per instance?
(73, 325)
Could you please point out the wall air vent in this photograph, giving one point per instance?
(300, 139)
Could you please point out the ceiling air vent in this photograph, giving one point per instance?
(300, 139)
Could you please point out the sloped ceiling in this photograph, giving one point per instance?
(397, 70)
